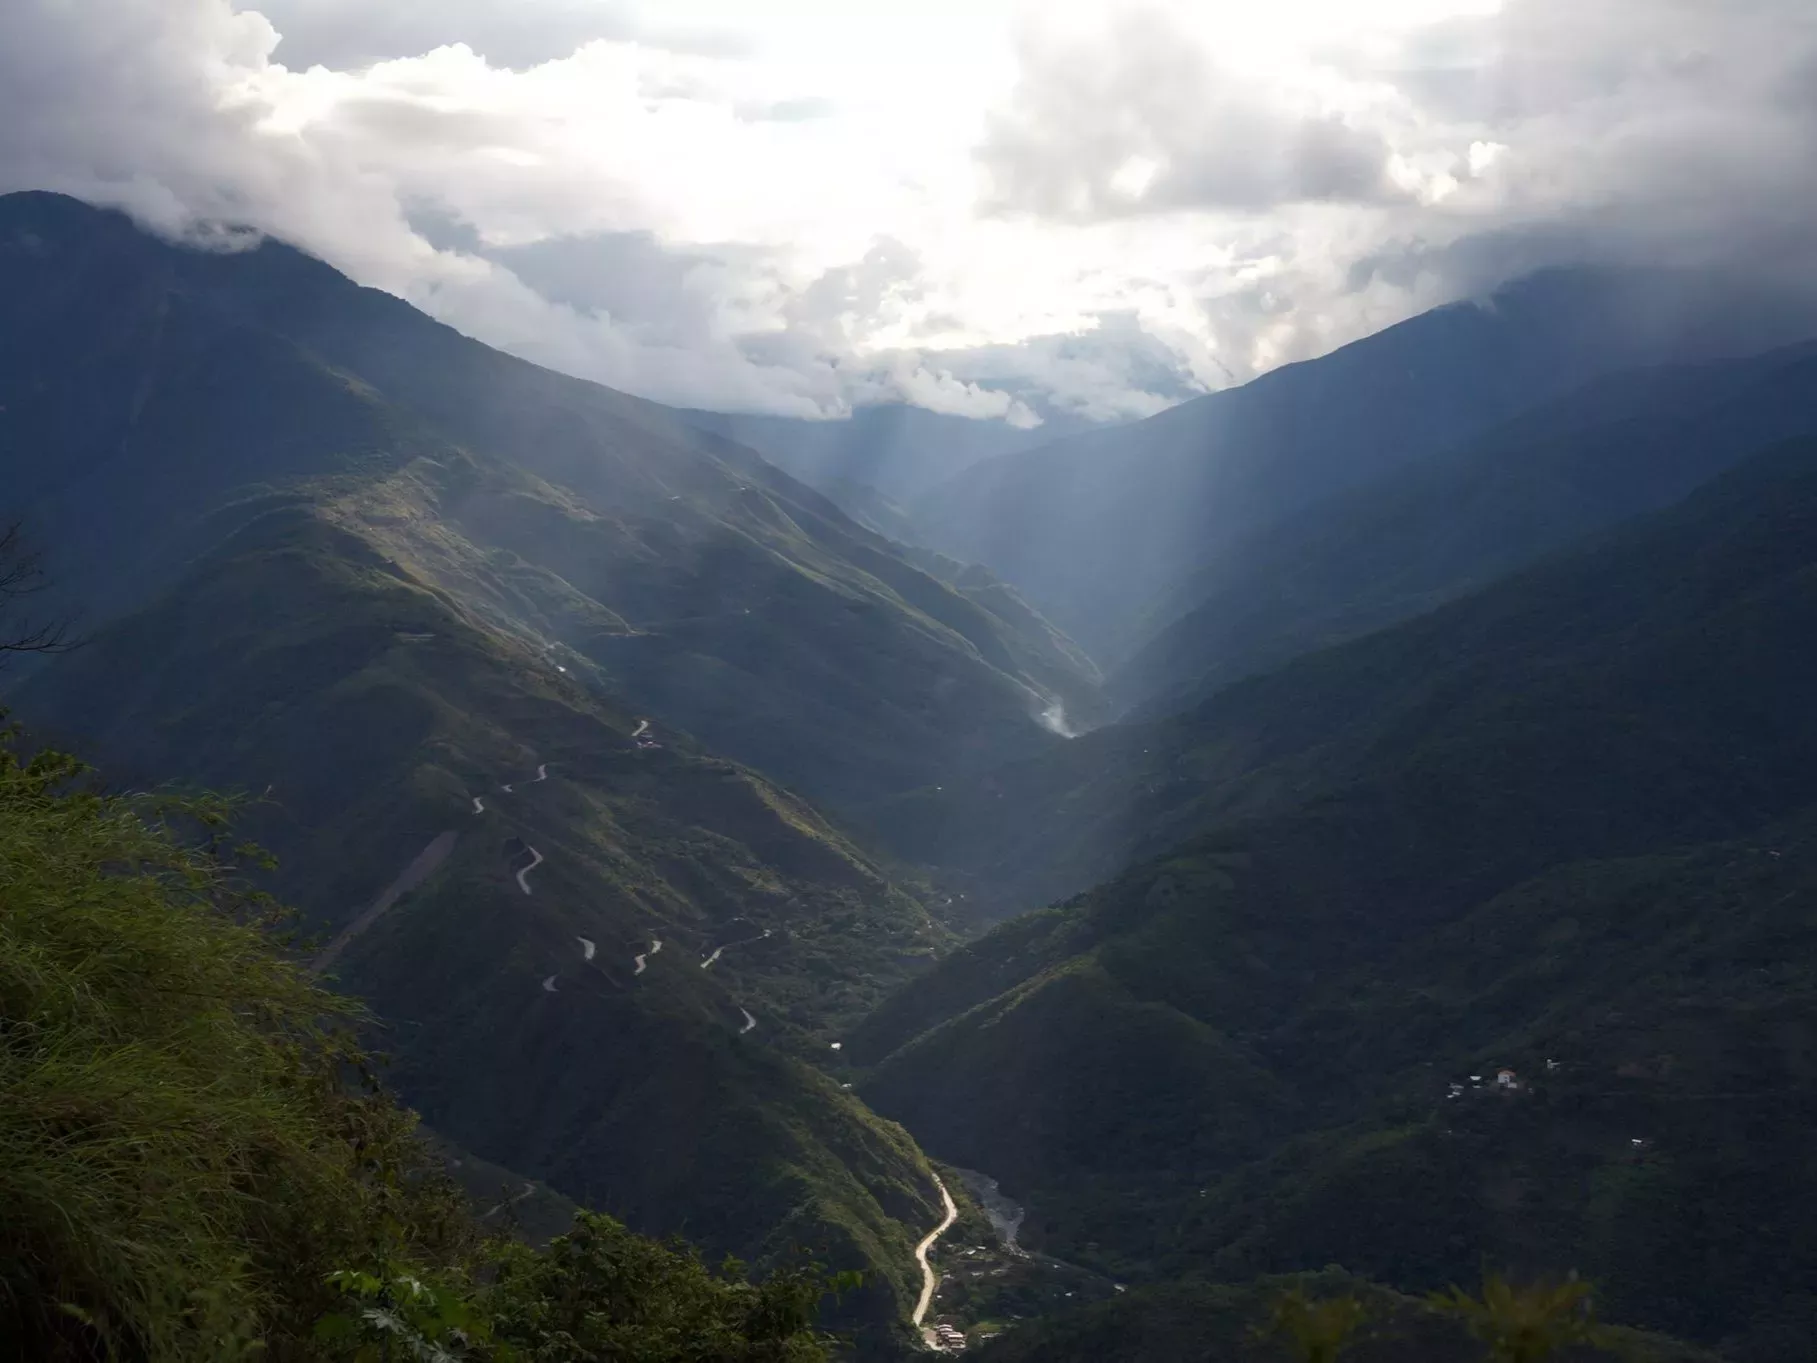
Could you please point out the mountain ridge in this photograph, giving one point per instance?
(428, 597)
(1232, 1058)
(1096, 529)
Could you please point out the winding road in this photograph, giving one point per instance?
(717, 950)
(588, 948)
(643, 726)
(536, 860)
(640, 961)
(930, 1279)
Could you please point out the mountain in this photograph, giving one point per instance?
(885, 453)
(1620, 446)
(152, 393)
(1405, 543)
(1565, 825)
(529, 676)
(1097, 529)
(607, 762)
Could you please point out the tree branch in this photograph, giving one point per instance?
(22, 576)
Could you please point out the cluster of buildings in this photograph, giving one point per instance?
(947, 1339)
(1505, 1081)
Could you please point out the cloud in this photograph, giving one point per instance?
(794, 208)
(1144, 118)
(347, 34)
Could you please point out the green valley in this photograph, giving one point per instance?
(705, 864)
(1563, 822)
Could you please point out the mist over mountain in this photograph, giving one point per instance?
(1629, 443)
(1099, 530)
(1398, 548)
(898, 452)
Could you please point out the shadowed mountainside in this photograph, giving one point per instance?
(150, 395)
(1568, 819)
(1099, 528)
(1624, 445)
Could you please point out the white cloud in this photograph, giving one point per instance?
(1145, 116)
(1089, 208)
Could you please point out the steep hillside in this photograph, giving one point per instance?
(1624, 445)
(1567, 819)
(192, 1170)
(145, 389)
(527, 677)
(1043, 829)
(486, 850)
(1097, 528)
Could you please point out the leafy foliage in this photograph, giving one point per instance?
(402, 1314)
(1328, 1317)
(1526, 1324)
(1317, 1328)
(182, 1159)
(600, 1292)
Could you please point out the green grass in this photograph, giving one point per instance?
(180, 1158)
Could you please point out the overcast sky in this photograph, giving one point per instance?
(983, 207)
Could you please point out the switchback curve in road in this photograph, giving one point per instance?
(536, 859)
(641, 960)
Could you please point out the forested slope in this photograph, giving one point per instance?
(1565, 819)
